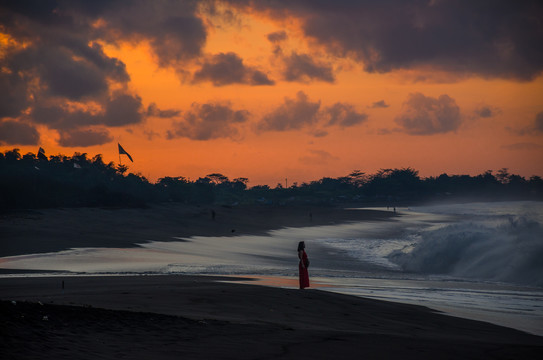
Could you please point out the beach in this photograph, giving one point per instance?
(141, 316)
(46, 230)
(166, 317)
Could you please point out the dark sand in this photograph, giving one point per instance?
(48, 230)
(187, 317)
(183, 317)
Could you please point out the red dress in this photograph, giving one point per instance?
(304, 274)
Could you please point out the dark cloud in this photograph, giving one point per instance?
(14, 98)
(487, 38)
(71, 69)
(379, 104)
(538, 123)
(181, 38)
(299, 67)
(523, 146)
(318, 157)
(64, 63)
(62, 75)
(220, 16)
(153, 110)
(292, 114)
(58, 76)
(151, 134)
(84, 138)
(16, 133)
(257, 77)
(319, 133)
(209, 121)
(425, 115)
(121, 110)
(277, 36)
(174, 30)
(67, 77)
(58, 117)
(93, 55)
(301, 112)
(226, 69)
(302, 67)
(536, 128)
(486, 111)
(344, 115)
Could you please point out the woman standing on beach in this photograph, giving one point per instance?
(302, 265)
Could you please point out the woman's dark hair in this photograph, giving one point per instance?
(301, 245)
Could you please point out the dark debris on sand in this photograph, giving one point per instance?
(48, 331)
(38, 331)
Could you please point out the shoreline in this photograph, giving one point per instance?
(197, 316)
(204, 317)
(53, 230)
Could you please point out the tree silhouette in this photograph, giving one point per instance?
(29, 181)
(121, 169)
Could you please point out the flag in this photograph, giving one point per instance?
(41, 154)
(123, 151)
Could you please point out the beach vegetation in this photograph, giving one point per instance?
(32, 181)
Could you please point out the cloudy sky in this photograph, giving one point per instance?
(277, 89)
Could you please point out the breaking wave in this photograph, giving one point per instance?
(510, 250)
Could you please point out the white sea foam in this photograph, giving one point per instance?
(488, 241)
(510, 250)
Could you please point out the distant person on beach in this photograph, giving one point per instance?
(302, 265)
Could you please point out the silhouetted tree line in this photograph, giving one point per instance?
(35, 181)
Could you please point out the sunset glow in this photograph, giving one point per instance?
(274, 90)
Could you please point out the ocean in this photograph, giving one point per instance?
(482, 261)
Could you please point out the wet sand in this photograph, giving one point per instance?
(193, 317)
(48, 230)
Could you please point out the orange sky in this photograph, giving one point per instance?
(506, 137)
